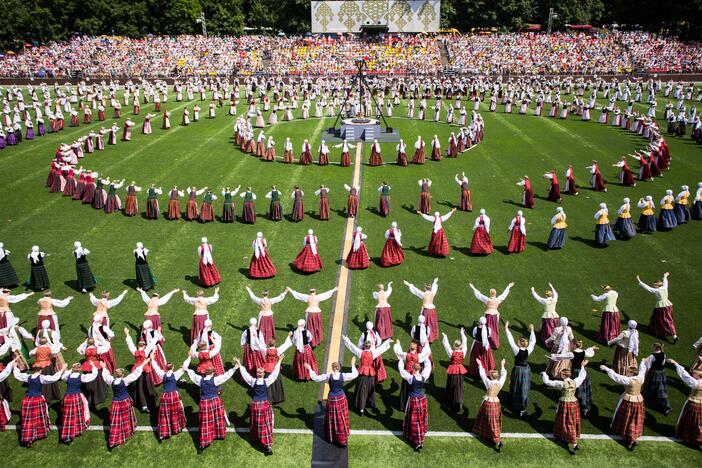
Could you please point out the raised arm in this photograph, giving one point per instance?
(299, 296)
(196, 379)
(220, 379)
(478, 295)
(326, 295)
(352, 347)
(403, 373)
(558, 384)
(447, 346)
(381, 349)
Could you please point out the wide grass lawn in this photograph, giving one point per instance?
(203, 154)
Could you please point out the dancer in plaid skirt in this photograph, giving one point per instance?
(201, 314)
(357, 258)
(662, 318)
(559, 343)
(424, 195)
(206, 348)
(428, 309)
(345, 154)
(145, 393)
(456, 371)
(566, 426)
(627, 348)
(392, 253)
(689, 427)
(275, 212)
(368, 375)
(466, 203)
(528, 194)
(261, 265)
(554, 193)
(209, 275)
(261, 411)
(336, 410)
(352, 200)
(266, 324)
(373, 337)
(254, 345)
(276, 392)
(323, 194)
(655, 389)
(628, 420)
(308, 260)
(35, 412)
(248, 214)
(596, 181)
(488, 422)
(174, 203)
(480, 349)
(492, 314)
(122, 417)
(383, 316)
(313, 314)
(410, 358)
(212, 416)
(609, 325)
(549, 319)
(154, 339)
(298, 209)
(304, 354)
(384, 203)
(438, 244)
(577, 356)
(171, 416)
(520, 377)
(95, 391)
(45, 356)
(376, 156)
(481, 244)
(5, 413)
(416, 421)
(75, 413)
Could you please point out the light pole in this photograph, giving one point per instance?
(551, 15)
(203, 22)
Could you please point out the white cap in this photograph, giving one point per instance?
(147, 324)
(76, 245)
(310, 232)
(204, 240)
(482, 320)
(437, 214)
(603, 205)
(35, 248)
(421, 319)
(252, 321)
(208, 323)
(139, 245)
(482, 210)
(259, 235)
(668, 192)
(520, 213)
(359, 229)
(626, 200)
(301, 323)
(369, 325)
(393, 224)
(632, 324)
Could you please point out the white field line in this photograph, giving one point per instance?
(362, 432)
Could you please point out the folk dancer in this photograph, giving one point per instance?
(520, 377)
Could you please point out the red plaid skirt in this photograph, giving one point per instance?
(152, 209)
(305, 158)
(609, 327)
(392, 254)
(209, 276)
(217, 363)
(379, 367)
(555, 193)
(359, 259)
(481, 243)
(689, 427)
(432, 322)
(308, 262)
(384, 205)
(171, 416)
(401, 158)
(4, 409)
(336, 420)
(376, 159)
(173, 209)
(345, 159)
(547, 327)
(35, 419)
(275, 212)
(477, 351)
(191, 212)
(436, 154)
(212, 421)
(261, 267)
(108, 359)
(73, 421)
(324, 209)
(352, 205)
(251, 359)
(131, 206)
(438, 244)
(493, 323)
(425, 202)
(198, 324)
(488, 423)
(416, 421)
(466, 201)
(418, 157)
(262, 423)
(663, 322)
(206, 212)
(122, 422)
(266, 325)
(383, 322)
(628, 421)
(567, 424)
(307, 356)
(314, 325)
(517, 241)
(248, 213)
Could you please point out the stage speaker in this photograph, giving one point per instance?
(388, 130)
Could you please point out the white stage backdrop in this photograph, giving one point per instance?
(398, 15)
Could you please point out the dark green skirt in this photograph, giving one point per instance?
(38, 278)
(8, 276)
(86, 280)
(144, 278)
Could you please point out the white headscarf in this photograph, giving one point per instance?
(563, 342)
(258, 246)
(140, 251)
(358, 237)
(2, 250)
(396, 232)
(312, 240)
(633, 338)
(79, 250)
(147, 325)
(35, 254)
(206, 252)
(298, 335)
(483, 332)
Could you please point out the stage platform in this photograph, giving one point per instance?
(361, 129)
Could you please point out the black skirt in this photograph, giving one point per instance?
(8, 275)
(454, 391)
(38, 278)
(86, 280)
(5, 391)
(276, 392)
(584, 392)
(95, 392)
(144, 278)
(519, 387)
(51, 391)
(655, 391)
(144, 392)
(365, 392)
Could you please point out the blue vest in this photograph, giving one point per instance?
(34, 386)
(73, 387)
(260, 392)
(336, 387)
(120, 391)
(208, 389)
(416, 388)
(170, 384)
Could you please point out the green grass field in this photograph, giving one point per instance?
(203, 154)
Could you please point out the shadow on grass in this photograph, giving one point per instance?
(539, 245)
(301, 414)
(184, 332)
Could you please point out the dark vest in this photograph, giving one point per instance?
(73, 385)
(208, 389)
(520, 359)
(416, 388)
(120, 391)
(336, 387)
(260, 392)
(34, 386)
(170, 384)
